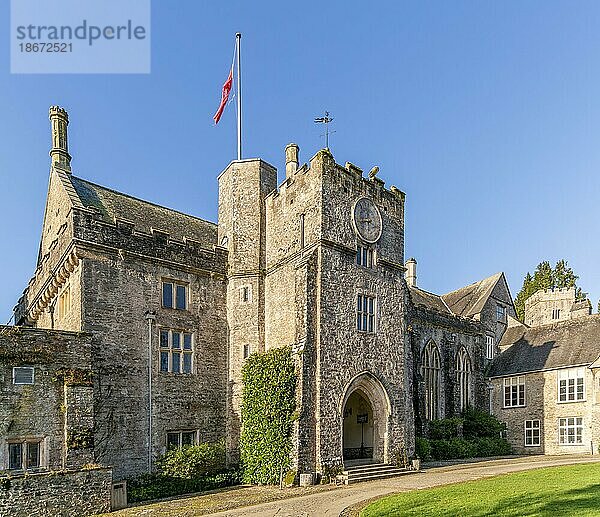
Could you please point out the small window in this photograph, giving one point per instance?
(64, 302)
(489, 347)
(181, 438)
(174, 295)
(514, 392)
(23, 375)
(571, 385)
(365, 313)
(302, 243)
(176, 351)
(570, 431)
(24, 454)
(555, 314)
(246, 351)
(500, 313)
(246, 294)
(532, 433)
(365, 256)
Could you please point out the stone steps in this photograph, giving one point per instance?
(372, 471)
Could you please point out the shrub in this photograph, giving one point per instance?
(487, 446)
(193, 461)
(157, 486)
(456, 448)
(268, 414)
(445, 429)
(423, 448)
(479, 424)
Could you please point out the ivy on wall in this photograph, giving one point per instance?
(268, 414)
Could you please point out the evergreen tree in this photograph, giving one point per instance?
(546, 277)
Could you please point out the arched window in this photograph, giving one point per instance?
(463, 377)
(431, 372)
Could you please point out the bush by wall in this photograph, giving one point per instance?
(194, 461)
(475, 434)
(268, 413)
(158, 486)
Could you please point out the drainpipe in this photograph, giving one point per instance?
(150, 318)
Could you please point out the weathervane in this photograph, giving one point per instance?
(325, 120)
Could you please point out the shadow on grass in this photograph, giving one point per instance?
(570, 502)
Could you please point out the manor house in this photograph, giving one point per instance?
(158, 310)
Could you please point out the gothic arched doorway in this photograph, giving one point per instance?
(365, 410)
(358, 427)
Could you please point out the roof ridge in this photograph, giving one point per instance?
(142, 200)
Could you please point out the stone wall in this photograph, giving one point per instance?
(56, 494)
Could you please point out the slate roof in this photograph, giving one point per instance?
(429, 300)
(111, 205)
(566, 343)
(470, 300)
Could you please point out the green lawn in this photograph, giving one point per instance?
(555, 491)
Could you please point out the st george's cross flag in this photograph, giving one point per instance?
(224, 96)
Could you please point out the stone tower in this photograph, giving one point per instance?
(243, 187)
(553, 305)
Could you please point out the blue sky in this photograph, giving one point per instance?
(487, 114)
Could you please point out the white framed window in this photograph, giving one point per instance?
(555, 314)
(64, 302)
(532, 433)
(182, 438)
(365, 256)
(571, 385)
(24, 454)
(463, 378)
(246, 294)
(490, 343)
(365, 313)
(176, 351)
(570, 430)
(500, 313)
(174, 295)
(431, 371)
(514, 391)
(23, 375)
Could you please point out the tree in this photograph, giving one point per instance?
(546, 277)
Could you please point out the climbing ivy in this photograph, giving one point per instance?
(268, 414)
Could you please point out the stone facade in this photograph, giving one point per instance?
(315, 262)
(547, 378)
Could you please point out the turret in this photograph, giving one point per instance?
(59, 154)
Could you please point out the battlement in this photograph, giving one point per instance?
(58, 111)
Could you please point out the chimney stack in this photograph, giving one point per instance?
(59, 154)
(411, 272)
(291, 160)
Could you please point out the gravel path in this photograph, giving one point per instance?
(331, 501)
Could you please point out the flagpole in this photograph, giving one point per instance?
(238, 39)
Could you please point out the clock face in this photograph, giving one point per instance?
(367, 220)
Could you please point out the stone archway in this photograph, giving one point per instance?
(365, 411)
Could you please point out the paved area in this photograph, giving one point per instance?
(329, 501)
(332, 503)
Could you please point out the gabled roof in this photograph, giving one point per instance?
(427, 299)
(557, 345)
(145, 216)
(469, 301)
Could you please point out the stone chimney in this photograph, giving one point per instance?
(291, 159)
(411, 272)
(59, 154)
